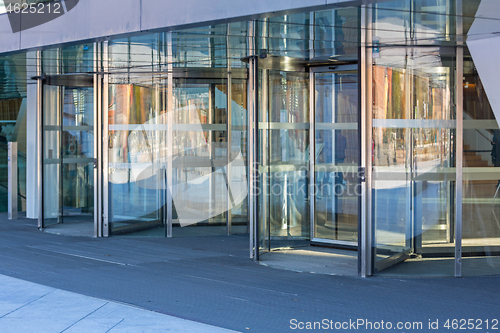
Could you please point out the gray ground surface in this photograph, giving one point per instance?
(211, 280)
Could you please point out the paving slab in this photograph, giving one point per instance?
(30, 307)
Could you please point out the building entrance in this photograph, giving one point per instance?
(308, 153)
(68, 151)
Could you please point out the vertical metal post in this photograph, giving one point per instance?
(251, 106)
(104, 151)
(312, 131)
(12, 182)
(409, 137)
(39, 143)
(170, 137)
(97, 145)
(262, 122)
(459, 140)
(253, 131)
(365, 127)
(229, 130)
(312, 152)
(59, 147)
(251, 160)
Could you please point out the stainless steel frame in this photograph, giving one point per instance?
(312, 151)
(170, 138)
(229, 133)
(97, 144)
(253, 157)
(105, 140)
(39, 127)
(312, 143)
(459, 140)
(252, 220)
(100, 155)
(12, 181)
(365, 225)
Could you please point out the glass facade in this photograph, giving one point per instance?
(13, 98)
(177, 132)
(371, 126)
(480, 205)
(414, 136)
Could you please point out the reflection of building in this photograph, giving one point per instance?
(365, 126)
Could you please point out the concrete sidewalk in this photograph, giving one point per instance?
(30, 307)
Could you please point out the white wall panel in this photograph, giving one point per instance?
(92, 19)
(484, 46)
(89, 19)
(8, 40)
(172, 13)
(485, 53)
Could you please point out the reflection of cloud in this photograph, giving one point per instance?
(200, 186)
(209, 195)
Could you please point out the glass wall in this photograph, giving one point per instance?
(68, 138)
(177, 100)
(481, 169)
(13, 94)
(176, 107)
(200, 191)
(414, 133)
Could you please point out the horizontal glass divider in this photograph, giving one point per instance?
(481, 201)
(176, 164)
(164, 127)
(191, 73)
(481, 124)
(336, 126)
(341, 167)
(481, 173)
(70, 160)
(78, 128)
(414, 123)
(284, 167)
(444, 174)
(285, 126)
(181, 163)
(85, 128)
(204, 127)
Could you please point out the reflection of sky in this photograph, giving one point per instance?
(77, 105)
(198, 192)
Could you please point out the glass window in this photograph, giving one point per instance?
(481, 178)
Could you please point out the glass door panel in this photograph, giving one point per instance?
(68, 151)
(52, 159)
(337, 156)
(200, 187)
(413, 163)
(136, 129)
(284, 152)
(77, 151)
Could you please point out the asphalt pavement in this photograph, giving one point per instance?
(208, 284)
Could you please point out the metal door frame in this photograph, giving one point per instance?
(312, 151)
(94, 81)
